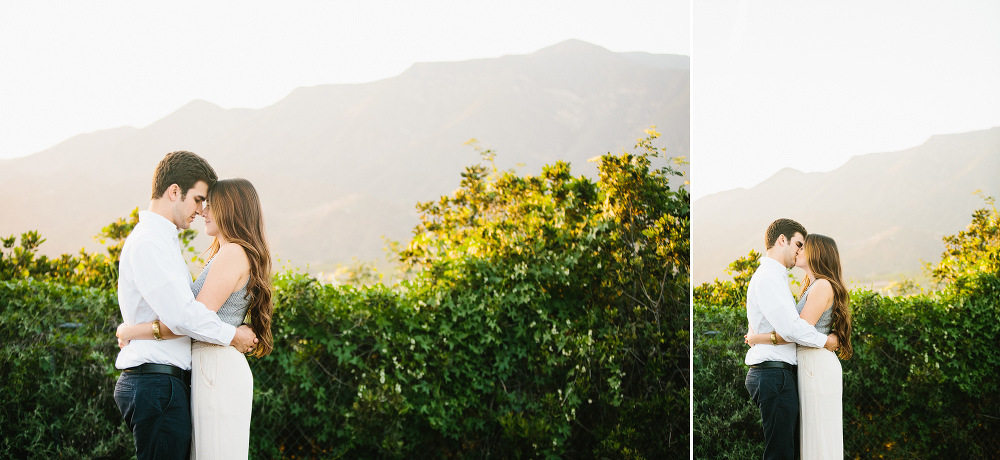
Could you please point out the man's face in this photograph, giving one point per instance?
(792, 249)
(801, 260)
(185, 210)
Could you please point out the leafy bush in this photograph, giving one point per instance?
(547, 318)
(57, 360)
(973, 250)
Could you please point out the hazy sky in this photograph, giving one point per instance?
(809, 84)
(74, 67)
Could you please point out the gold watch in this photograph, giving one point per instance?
(774, 339)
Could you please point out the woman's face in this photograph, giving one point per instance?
(800, 259)
(210, 227)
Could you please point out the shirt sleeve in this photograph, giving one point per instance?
(777, 306)
(168, 293)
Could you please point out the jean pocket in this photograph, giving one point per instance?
(160, 389)
(125, 384)
(125, 395)
(752, 384)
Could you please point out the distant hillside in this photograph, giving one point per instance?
(887, 211)
(338, 166)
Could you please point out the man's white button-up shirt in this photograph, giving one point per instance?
(154, 282)
(771, 307)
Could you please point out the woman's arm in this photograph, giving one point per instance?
(820, 298)
(754, 339)
(142, 331)
(230, 271)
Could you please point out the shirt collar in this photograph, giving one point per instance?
(772, 264)
(159, 223)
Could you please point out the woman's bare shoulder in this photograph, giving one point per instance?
(822, 287)
(232, 256)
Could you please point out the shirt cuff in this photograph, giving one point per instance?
(226, 334)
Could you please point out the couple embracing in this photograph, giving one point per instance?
(795, 376)
(185, 384)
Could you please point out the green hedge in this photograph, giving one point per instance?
(923, 382)
(362, 372)
(57, 353)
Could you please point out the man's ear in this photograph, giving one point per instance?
(173, 192)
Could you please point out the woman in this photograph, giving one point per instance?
(824, 303)
(235, 283)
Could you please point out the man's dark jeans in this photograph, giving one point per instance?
(157, 409)
(775, 392)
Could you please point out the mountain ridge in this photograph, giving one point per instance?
(887, 210)
(338, 166)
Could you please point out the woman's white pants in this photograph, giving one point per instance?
(821, 390)
(221, 399)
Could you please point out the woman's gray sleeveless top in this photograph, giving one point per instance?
(234, 310)
(823, 324)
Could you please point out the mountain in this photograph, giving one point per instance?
(339, 166)
(887, 211)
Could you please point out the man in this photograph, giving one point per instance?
(154, 283)
(772, 379)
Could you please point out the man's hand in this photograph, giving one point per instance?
(244, 340)
(832, 343)
(118, 333)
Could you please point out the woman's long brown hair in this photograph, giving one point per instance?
(824, 263)
(237, 213)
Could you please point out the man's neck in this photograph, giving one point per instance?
(161, 208)
(773, 254)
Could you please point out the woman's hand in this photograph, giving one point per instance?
(118, 333)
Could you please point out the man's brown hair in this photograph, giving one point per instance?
(787, 227)
(184, 169)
